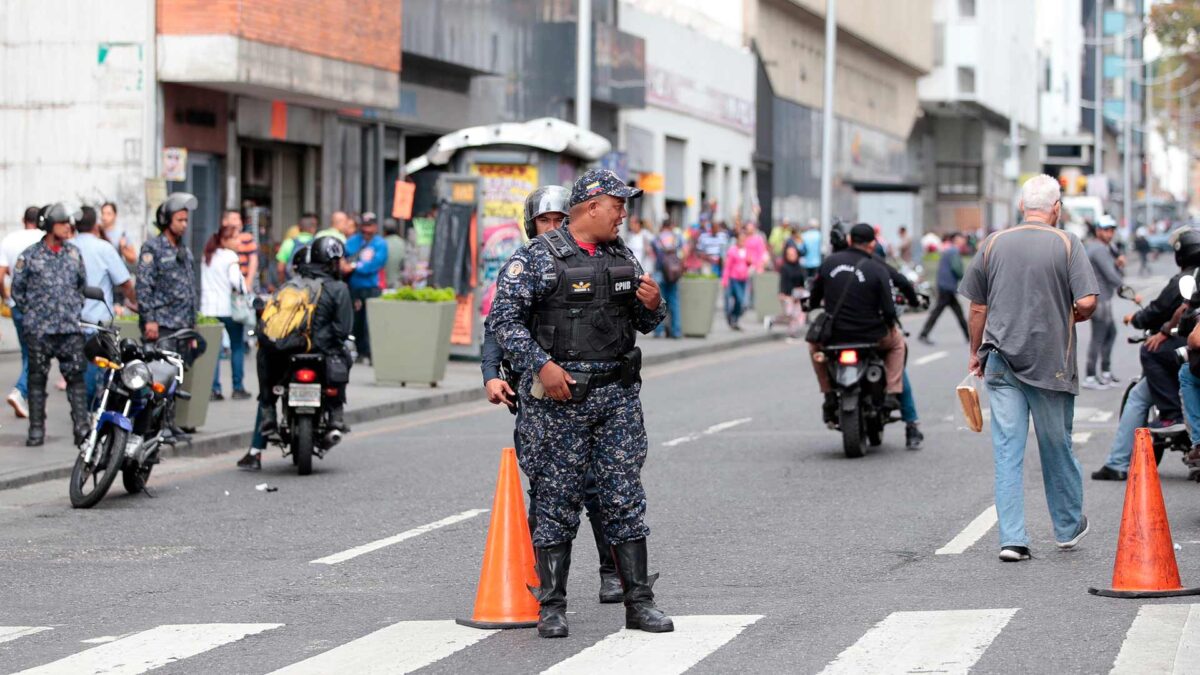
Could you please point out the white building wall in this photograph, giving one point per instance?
(1060, 44)
(711, 87)
(72, 105)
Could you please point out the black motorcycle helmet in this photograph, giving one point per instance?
(175, 202)
(546, 199)
(52, 214)
(324, 252)
(1186, 243)
(837, 238)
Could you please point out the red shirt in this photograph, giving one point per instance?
(590, 249)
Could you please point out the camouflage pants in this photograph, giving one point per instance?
(68, 349)
(561, 441)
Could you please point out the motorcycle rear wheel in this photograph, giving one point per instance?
(302, 444)
(111, 454)
(853, 439)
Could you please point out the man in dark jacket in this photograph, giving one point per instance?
(856, 289)
(950, 272)
(332, 324)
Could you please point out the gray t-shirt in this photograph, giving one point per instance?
(1029, 277)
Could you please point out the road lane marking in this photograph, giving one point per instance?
(396, 539)
(971, 533)
(714, 429)
(1081, 437)
(399, 648)
(10, 633)
(151, 649)
(930, 358)
(1162, 639)
(1101, 416)
(923, 642)
(635, 651)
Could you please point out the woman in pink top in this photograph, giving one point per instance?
(756, 247)
(734, 275)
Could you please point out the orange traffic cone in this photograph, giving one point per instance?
(503, 599)
(1145, 566)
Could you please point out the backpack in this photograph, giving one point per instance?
(286, 322)
(669, 263)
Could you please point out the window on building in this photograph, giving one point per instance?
(966, 9)
(939, 44)
(966, 80)
(1047, 77)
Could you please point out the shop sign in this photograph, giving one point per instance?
(174, 164)
(651, 183)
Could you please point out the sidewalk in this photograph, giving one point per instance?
(229, 422)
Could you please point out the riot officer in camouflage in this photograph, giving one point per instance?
(566, 310)
(166, 275)
(48, 282)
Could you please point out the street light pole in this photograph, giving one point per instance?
(827, 120)
(1146, 129)
(1098, 111)
(583, 66)
(1127, 142)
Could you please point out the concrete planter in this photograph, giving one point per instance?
(197, 381)
(410, 341)
(765, 287)
(697, 305)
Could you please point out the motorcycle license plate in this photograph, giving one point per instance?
(304, 395)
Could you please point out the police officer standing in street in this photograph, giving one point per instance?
(48, 282)
(166, 277)
(546, 209)
(565, 310)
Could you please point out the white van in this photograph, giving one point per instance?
(1078, 211)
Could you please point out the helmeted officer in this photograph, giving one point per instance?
(48, 282)
(166, 278)
(546, 209)
(566, 309)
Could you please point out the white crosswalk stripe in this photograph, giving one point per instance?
(944, 642)
(8, 633)
(399, 648)
(1163, 639)
(151, 649)
(635, 651)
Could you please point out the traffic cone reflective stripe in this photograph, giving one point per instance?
(503, 599)
(1145, 565)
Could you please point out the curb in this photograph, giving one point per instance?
(224, 442)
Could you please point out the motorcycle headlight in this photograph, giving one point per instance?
(136, 375)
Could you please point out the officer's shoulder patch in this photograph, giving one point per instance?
(147, 257)
(20, 263)
(72, 251)
(515, 268)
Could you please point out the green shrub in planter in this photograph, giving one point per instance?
(697, 303)
(411, 330)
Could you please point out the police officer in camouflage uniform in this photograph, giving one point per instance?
(166, 276)
(48, 282)
(565, 310)
(546, 209)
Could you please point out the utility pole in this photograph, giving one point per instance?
(1147, 194)
(583, 66)
(827, 120)
(1098, 111)
(1127, 139)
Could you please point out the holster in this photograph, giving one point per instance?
(631, 367)
(513, 378)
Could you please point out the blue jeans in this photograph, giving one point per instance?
(1012, 403)
(735, 301)
(1189, 391)
(257, 441)
(908, 404)
(23, 380)
(1137, 406)
(237, 354)
(670, 295)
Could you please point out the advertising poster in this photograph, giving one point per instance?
(504, 188)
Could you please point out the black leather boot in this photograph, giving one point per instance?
(552, 566)
(640, 611)
(270, 421)
(77, 398)
(37, 413)
(610, 583)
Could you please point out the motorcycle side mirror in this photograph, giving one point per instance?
(1187, 286)
(1126, 293)
(258, 304)
(93, 293)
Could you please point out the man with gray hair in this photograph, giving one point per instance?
(1028, 286)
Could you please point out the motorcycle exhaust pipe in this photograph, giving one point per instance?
(333, 438)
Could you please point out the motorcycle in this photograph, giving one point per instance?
(130, 421)
(856, 371)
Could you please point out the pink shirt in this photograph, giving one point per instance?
(737, 264)
(757, 251)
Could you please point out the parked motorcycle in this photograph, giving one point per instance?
(131, 418)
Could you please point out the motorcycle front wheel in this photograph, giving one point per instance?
(110, 453)
(302, 444)
(854, 442)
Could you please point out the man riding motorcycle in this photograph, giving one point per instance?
(860, 291)
(332, 324)
(1158, 353)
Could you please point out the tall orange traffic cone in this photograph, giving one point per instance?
(503, 599)
(1145, 566)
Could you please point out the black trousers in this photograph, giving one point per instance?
(362, 332)
(946, 299)
(1161, 368)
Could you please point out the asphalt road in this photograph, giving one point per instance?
(777, 554)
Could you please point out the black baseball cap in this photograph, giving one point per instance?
(862, 233)
(601, 182)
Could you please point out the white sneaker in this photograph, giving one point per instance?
(1090, 382)
(17, 401)
(1108, 378)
